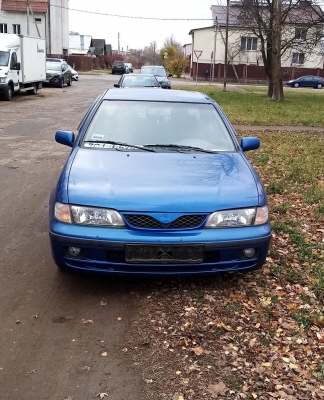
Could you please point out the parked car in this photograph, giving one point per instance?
(160, 73)
(58, 72)
(75, 75)
(315, 82)
(119, 67)
(137, 80)
(130, 67)
(157, 183)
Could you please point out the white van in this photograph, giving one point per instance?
(22, 64)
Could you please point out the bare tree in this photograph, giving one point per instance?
(281, 27)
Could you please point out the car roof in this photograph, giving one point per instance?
(55, 60)
(181, 96)
(139, 75)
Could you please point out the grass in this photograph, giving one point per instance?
(293, 177)
(253, 107)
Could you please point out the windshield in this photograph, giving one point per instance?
(143, 123)
(153, 71)
(4, 58)
(53, 66)
(140, 81)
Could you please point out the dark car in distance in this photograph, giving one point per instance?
(119, 67)
(316, 82)
(160, 73)
(137, 81)
(58, 72)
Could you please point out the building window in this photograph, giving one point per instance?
(38, 20)
(300, 33)
(3, 28)
(249, 43)
(16, 29)
(298, 58)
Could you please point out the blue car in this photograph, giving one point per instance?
(157, 183)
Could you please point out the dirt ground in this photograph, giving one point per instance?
(61, 336)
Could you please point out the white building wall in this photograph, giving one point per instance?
(54, 25)
(20, 18)
(58, 27)
(203, 39)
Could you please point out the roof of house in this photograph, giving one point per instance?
(21, 5)
(99, 45)
(302, 13)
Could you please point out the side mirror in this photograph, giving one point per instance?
(17, 67)
(250, 143)
(64, 137)
(117, 85)
(169, 75)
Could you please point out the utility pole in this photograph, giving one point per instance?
(214, 53)
(226, 46)
(118, 44)
(28, 32)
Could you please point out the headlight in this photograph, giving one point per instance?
(96, 216)
(3, 80)
(87, 215)
(238, 218)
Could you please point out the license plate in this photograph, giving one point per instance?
(164, 254)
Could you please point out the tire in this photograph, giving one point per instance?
(319, 86)
(34, 90)
(70, 82)
(61, 83)
(296, 85)
(8, 93)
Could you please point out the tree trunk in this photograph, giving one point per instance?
(277, 93)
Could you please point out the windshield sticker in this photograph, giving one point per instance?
(96, 136)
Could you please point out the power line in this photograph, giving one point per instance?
(128, 16)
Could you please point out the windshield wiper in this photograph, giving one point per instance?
(181, 147)
(134, 146)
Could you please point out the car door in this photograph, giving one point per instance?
(13, 73)
(65, 73)
(308, 81)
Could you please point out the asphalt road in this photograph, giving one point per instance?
(61, 335)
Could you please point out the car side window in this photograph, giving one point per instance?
(13, 61)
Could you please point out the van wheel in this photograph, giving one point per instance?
(34, 90)
(8, 93)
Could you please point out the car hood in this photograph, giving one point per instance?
(161, 182)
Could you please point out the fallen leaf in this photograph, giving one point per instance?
(178, 372)
(198, 350)
(104, 354)
(218, 388)
(293, 366)
(266, 364)
(102, 395)
(119, 318)
(87, 321)
(257, 325)
(103, 303)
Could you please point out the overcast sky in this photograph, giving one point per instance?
(138, 33)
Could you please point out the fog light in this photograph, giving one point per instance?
(249, 253)
(74, 251)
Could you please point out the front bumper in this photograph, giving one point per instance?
(103, 249)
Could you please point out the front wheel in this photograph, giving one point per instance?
(61, 83)
(70, 82)
(34, 90)
(296, 85)
(8, 93)
(319, 86)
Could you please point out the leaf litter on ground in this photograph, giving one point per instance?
(248, 336)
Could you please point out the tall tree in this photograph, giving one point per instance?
(281, 26)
